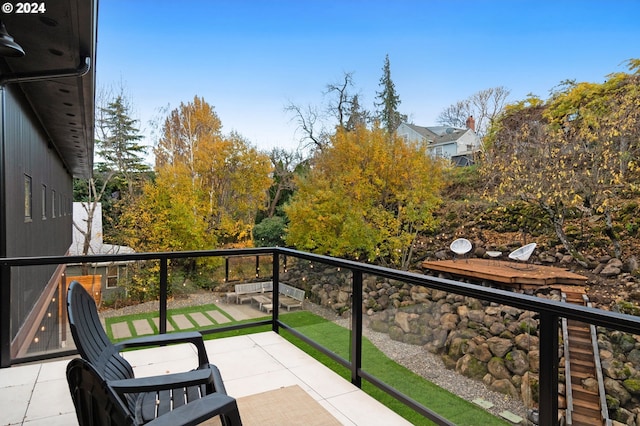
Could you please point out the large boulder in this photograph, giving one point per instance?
(497, 368)
(630, 265)
(517, 362)
(616, 390)
(476, 316)
(457, 348)
(481, 351)
(612, 268)
(471, 367)
(527, 342)
(504, 386)
(615, 369)
(499, 346)
(632, 385)
(402, 320)
(438, 341)
(449, 321)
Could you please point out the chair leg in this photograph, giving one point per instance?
(231, 417)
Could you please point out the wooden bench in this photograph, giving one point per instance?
(244, 292)
(290, 297)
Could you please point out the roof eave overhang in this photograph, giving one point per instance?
(57, 75)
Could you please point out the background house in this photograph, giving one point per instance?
(102, 278)
(47, 97)
(458, 145)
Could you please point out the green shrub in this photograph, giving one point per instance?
(270, 232)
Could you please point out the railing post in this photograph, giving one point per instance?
(257, 265)
(548, 384)
(5, 316)
(356, 328)
(276, 292)
(163, 295)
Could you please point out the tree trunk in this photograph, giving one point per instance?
(610, 232)
(274, 202)
(558, 226)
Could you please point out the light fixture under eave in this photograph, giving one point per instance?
(8, 46)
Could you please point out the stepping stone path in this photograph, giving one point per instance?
(188, 321)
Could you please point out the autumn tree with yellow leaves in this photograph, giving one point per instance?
(574, 153)
(208, 186)
(366, 197)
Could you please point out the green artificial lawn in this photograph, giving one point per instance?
(376, 363)
(336, 339)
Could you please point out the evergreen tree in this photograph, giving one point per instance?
(119, 142)
(388, 114)
(357, 116)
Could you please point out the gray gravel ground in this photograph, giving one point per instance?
(413, 357)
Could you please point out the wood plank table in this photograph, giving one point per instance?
(512, 274)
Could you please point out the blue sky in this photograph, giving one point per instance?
(249, 59)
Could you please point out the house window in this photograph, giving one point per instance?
(28, 214)
(438, 151)
(469, 148)
(112, 276)
(44, 202)
(53, 203)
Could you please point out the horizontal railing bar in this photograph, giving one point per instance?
(337, 358)
(597, 317)
(47, 356)
(94, 258)
(234, 327)
(415, 405)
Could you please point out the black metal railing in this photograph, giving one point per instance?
(548, 311)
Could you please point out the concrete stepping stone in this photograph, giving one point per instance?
(182, 322)
(515, 419)
(142, 327)
(201, 319)
(120, 330)
(243, 312)
(156, 321)
(219, 317)
(483, 403)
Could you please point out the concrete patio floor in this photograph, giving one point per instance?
(37, 394)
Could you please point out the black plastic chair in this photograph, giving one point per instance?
(94, 346)
(101, 403)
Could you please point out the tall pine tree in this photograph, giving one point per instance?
(389, 101)
(119, 142)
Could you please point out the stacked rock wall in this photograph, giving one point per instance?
(494, 343)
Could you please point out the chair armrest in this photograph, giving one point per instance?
(192, 337)
(162, 382)
(198, 411)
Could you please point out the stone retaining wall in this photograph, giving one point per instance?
(492, 343)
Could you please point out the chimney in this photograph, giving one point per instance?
(471, 123)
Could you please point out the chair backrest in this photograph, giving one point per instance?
(90, 338)
(461, 246)
(96, 403)
(523, 253)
